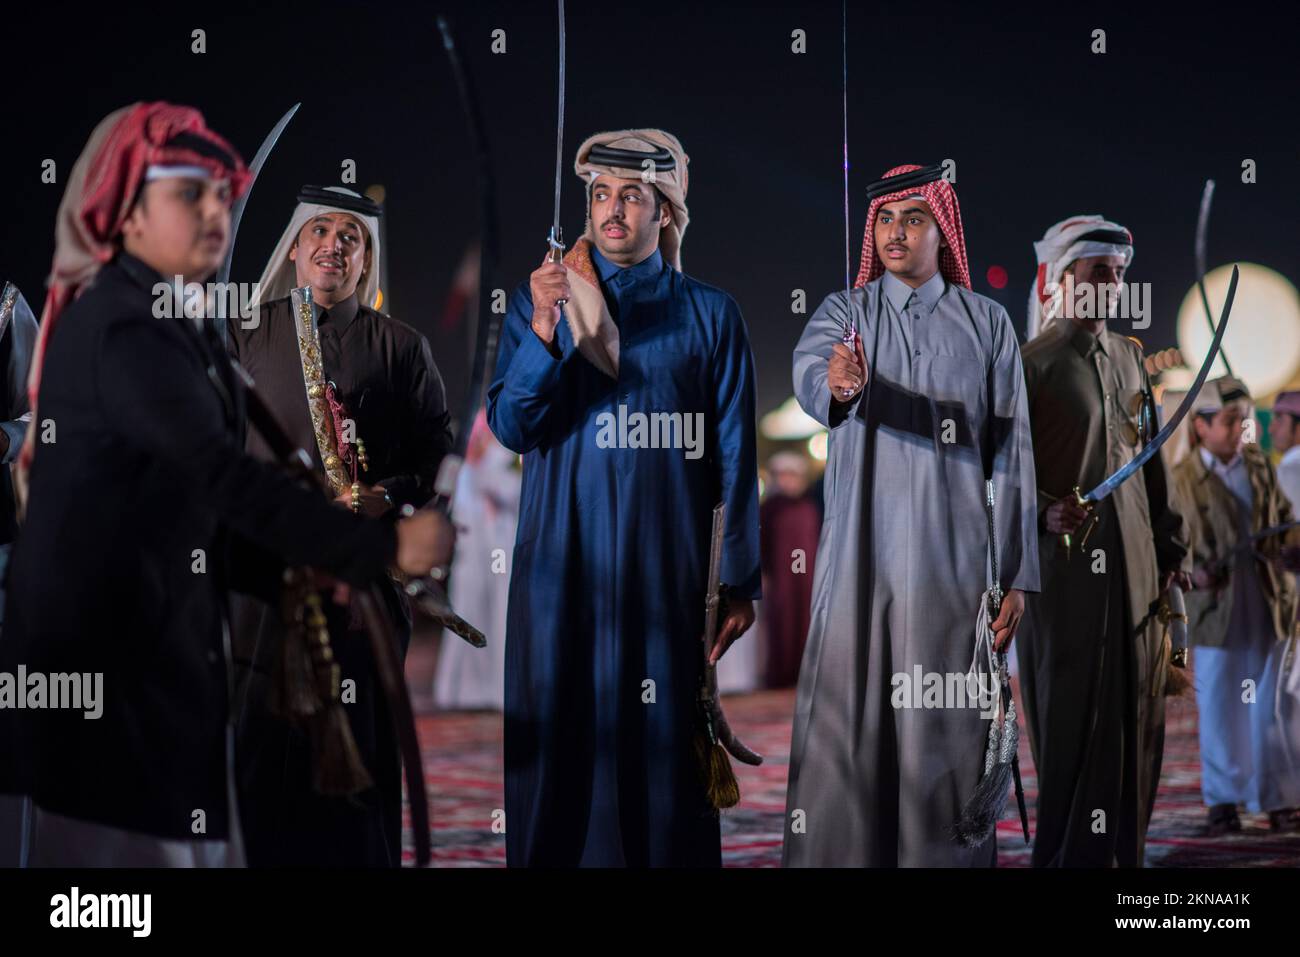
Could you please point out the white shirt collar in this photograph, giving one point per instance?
(1215, 464)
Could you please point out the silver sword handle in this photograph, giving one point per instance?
(556, 241)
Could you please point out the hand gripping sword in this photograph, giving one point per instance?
(556, 239)
(850, 332)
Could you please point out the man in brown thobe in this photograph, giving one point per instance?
(1093, 684)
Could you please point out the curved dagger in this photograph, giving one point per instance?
(717, 726)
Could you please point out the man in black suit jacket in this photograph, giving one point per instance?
(144, 512)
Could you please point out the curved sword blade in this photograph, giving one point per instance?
(487, 329)
(1202, 231)
(237, 211)
(1152, 447)
(1272, 530)
(429, 594)
(388, 665)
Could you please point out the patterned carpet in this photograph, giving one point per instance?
(462, 754)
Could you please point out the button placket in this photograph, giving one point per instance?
(1100, 366)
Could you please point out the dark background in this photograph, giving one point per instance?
(1040, 128)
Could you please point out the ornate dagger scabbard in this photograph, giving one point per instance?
(338, 453)
(313, 377)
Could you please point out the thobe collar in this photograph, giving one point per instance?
(927, 294)
(340, 315)
(616, 275)
(1085, 342)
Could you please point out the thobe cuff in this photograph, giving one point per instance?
(837, 413)
(1027, 582)
(1044, 503)
(534, 367)
(748, 584)
(403, 490)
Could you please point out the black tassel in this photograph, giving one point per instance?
(980, 816)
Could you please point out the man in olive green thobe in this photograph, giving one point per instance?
(1093, 684)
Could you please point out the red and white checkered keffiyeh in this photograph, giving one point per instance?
(942, 200)
(100, 194)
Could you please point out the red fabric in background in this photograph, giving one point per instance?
(786, 524)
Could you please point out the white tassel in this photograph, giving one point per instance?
(980, 814)
(994, 663)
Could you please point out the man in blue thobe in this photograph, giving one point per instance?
(633, 406)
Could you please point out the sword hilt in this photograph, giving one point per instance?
(1173, 614)
(850, 339)
(555, 239)
(1084, 504)
(995, 572)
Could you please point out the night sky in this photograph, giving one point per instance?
(1039, 126)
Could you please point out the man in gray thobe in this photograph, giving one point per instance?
(887, 748)
(1093, 686)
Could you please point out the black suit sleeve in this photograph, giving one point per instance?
(153, 386)
(426, 430)
(253, 569)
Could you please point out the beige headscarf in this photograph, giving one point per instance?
(672, 183)
(281, 275)
(1070, 239)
